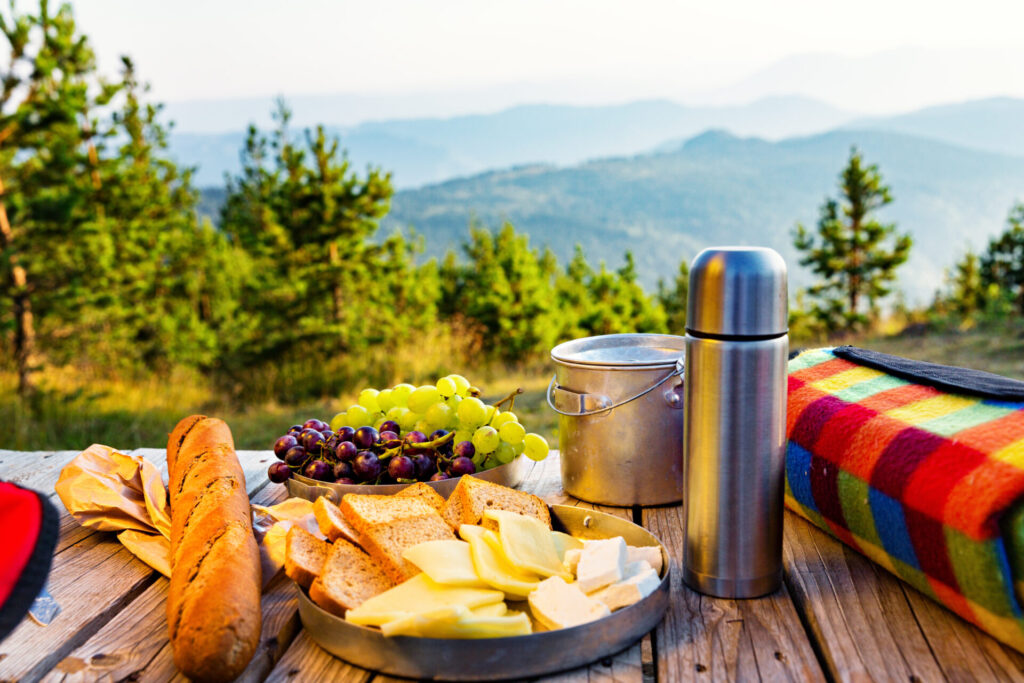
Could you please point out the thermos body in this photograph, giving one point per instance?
(734, 441)
(734, 429)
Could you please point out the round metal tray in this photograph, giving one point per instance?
(502, 658)
(510, 475)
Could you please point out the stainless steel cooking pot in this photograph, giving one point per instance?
(620, 428)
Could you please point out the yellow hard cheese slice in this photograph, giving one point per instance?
(492, 566)
(458, 622)
(446, 562)
(495, 609)
(565, 542)
(528, 543)
(417, 595)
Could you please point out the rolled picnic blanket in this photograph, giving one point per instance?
(920, 467)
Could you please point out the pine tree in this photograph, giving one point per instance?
(1002, 264)
(854, 254)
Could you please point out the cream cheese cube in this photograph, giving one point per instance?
(640, 581)
(650, 554)
(572, 559)
(601, 563)
(557, 604)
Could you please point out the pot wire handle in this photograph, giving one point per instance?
(677, 371)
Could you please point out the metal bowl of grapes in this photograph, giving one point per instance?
(391, 438)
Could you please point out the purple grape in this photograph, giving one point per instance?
(343, 470)
(365, 437)
(366, 466)
(279, 473)
(402, 467)
(282, 445)
(319, 470)
(464, 449)
(295, 429)
(345, 433)
(388, 436)
(313, 423)
(345, 480)
(461, 465)
(309, 438)
(425, 465)
(296, 456)
(438, 476)
(415, 437)
(328, 434)
(390, 426)
(438, 433)
(345, 451)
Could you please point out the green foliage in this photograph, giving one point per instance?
(1002, 264)
(854, 254)
(674, 300)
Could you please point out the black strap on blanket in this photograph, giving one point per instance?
(944, 377)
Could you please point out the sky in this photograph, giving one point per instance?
(446, 57)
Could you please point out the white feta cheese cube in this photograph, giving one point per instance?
(557, 604)
(640, 581)
(601, 563)
(572, 559)
(651, 554)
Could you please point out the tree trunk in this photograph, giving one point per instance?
(336, 286)
(24, 330)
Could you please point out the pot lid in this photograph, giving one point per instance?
(635, 350)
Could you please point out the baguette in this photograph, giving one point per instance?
(213, 603)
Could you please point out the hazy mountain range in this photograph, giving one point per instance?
(650, 177)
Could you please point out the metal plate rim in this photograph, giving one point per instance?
(567, 352)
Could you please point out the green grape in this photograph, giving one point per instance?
(502, 418)
(453, 402)
(490, 412)
(423, 426)
(461, 385)
(422, 398)
(486, 439)
(462, 435)
(519, 448)
(368, 400)
(504, 454)
(358, 416)
(396, 414)
(384, 400)
(446, 387)
(438, 416)
(472, 412)
(408, 420)
(512, 432)
(400, 394)
(478, 460)
(378, 422)
(339, 421)
(536, 447)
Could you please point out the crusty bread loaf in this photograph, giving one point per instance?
(476, 495)
(213, 603)
(349, 577)
(304, 556)
(423, 491)
(331, 522)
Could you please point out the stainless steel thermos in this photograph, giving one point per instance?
(734, 425)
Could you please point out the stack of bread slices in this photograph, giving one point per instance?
(367, 535)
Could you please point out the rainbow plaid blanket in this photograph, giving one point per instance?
(924, 482)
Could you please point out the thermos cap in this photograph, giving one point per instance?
(738, 291)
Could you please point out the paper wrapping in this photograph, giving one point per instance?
(109, 491)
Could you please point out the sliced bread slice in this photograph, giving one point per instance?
(477, 495)
(331, 522)
(349, 578)
(364, 512)
(304, 556)
(452, 510)
(421, 490)
(386, 542)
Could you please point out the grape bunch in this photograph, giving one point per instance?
(391, 446)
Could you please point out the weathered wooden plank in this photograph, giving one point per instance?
(135, 645)
(305, 661)
(93, 579)
(34, 469)
(722, 639)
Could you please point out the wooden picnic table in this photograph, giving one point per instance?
(837, 616)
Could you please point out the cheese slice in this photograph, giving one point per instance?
(495, 609)
(528, 543)
(639, 581)
(458, 622)
(564, 543)
(602, 562)
(417, 595)
(557, 604)
(651, 554)
(492, 566)
(447, 562)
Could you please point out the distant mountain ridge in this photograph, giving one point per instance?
(717, 188)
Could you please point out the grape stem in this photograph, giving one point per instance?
(510, 399)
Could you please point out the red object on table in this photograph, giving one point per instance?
(28, 534)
